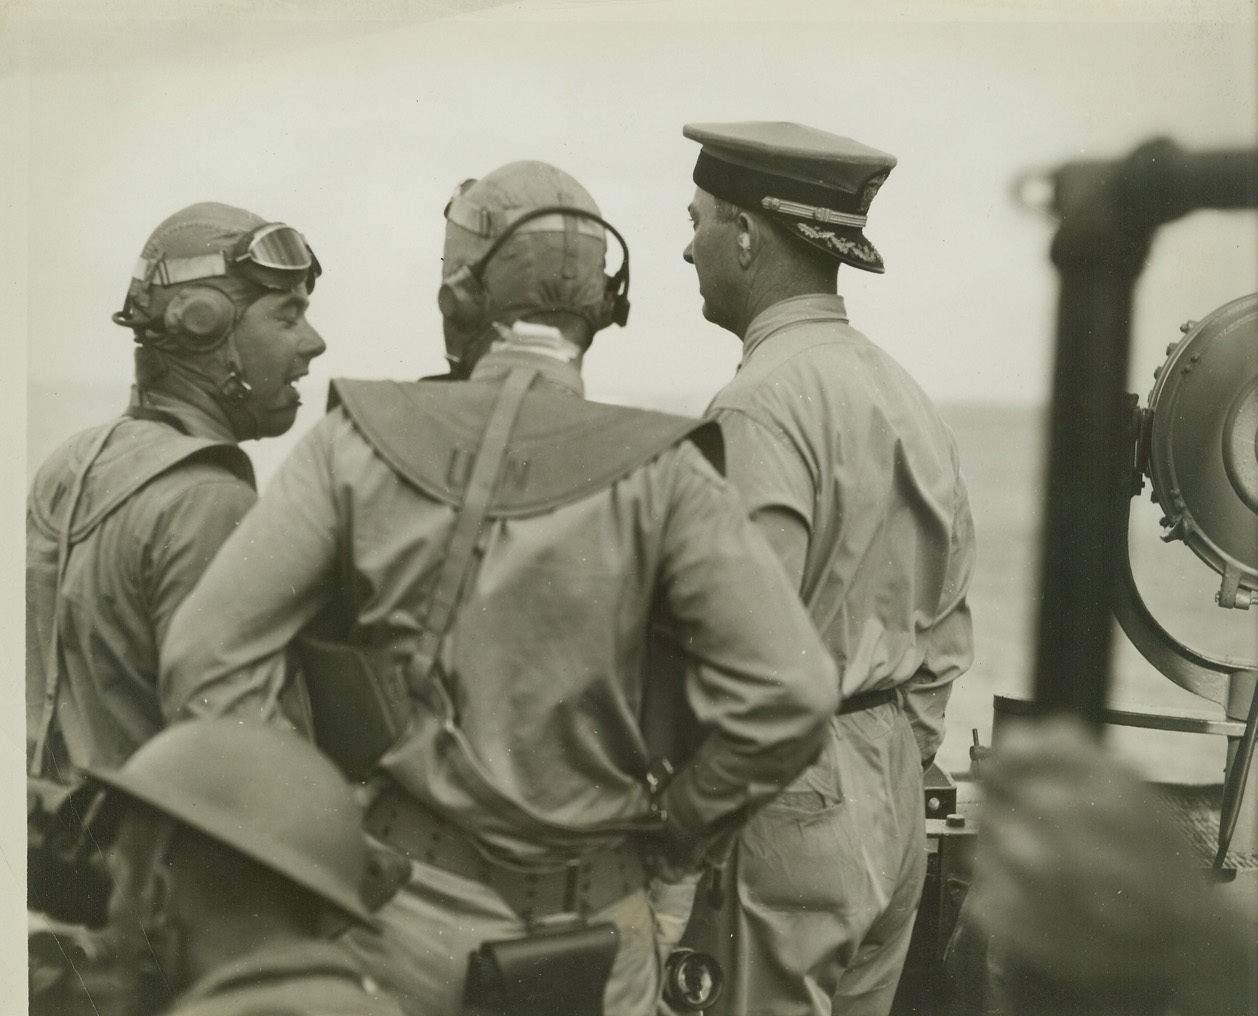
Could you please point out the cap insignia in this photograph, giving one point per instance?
(842, 244)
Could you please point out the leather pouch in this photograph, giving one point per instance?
(560, 970)
(358, 703)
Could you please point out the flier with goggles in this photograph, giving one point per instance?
(129, 513)
(123, 518)
(220, 310)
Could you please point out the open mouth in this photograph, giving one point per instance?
(291, 385)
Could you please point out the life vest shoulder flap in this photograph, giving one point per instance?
(136, 453)
(562, 449)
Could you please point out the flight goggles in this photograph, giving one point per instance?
(274, 256)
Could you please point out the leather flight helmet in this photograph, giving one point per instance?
(265, 793)
(528, 238)
(202, 266)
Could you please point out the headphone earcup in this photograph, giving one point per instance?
(620, 309)
(615, 309)
(461, 299)
(199, 318)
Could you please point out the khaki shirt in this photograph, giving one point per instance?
(544, 661)
(851, 474)
(123, 580)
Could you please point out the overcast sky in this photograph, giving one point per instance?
(356, 133)
(353, 122)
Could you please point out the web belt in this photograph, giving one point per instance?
(582, 886)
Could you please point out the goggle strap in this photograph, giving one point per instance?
(172, 271)
(486, 223)
(471, 217)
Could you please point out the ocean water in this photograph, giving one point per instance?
(1002, 458)
(1002, 450)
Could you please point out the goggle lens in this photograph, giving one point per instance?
(280, 247)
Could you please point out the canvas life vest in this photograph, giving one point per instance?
(75, 491)
(562, 448)
(491, 453)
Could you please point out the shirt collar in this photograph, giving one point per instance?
(498, 363)
(277, 962)
(792, 311)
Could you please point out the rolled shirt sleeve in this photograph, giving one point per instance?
(775, 486)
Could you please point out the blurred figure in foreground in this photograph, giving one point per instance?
(234, 850)
(1090, 897)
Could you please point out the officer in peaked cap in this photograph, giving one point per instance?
(849, 471)
(815, 185)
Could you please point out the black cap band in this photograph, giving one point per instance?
(747, 187)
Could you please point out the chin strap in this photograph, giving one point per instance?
(234, 393)
(229, 389)
(233, 388)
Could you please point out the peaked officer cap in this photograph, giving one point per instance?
(816, 184)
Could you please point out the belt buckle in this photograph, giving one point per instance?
(562, 885)
(571, 884)
(570, 910)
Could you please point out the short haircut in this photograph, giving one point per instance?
(726, 211)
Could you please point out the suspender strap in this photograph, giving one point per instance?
(425, 684)
(480, 488)
(362, 700)
(52, 676)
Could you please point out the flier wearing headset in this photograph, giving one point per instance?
(123, 518)
(483, 561)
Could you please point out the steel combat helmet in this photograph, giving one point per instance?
(265, 793)
(527, 238)
(203, 265)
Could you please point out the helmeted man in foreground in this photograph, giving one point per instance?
(482, 561)
(235, 851)
(850, 473)
(122, 519)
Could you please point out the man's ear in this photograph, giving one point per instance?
(158, 897)
(748, 238)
